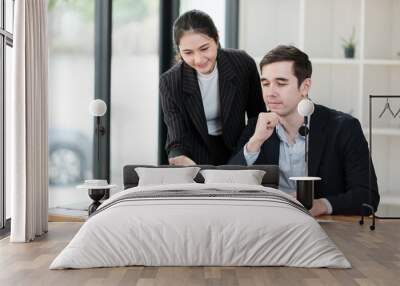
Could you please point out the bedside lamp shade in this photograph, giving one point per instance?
(305, 107)
(97, 107)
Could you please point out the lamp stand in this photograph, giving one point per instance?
(307, 131)
(100, 131)
(305, 185)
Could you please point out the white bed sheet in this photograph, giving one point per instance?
(200, 231)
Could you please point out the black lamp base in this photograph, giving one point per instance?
(305, 193)
(305, 190)
(96, 195)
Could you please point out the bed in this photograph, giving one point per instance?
(201, 224)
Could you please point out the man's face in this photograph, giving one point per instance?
(280, 88)
(199, 51)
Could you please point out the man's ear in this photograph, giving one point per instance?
(305, 87)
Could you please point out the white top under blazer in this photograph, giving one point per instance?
(209, 89)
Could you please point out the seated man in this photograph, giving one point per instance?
(338, 151)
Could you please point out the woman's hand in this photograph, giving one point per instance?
(181, 161)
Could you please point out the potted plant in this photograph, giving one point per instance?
(349, 45)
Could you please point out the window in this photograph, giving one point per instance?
(134, 84)
(135, 75)
(216, 10)
(71, 89)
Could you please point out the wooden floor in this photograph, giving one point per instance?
(374, 255)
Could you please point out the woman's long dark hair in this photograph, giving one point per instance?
(194, 21)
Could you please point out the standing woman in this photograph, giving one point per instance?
(206, 94)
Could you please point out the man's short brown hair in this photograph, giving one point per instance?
(302, 68)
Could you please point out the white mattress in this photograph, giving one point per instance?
(200, 231)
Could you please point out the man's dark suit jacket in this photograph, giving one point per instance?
(338, 153)
(239, 91)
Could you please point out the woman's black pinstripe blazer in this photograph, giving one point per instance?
(183, 111)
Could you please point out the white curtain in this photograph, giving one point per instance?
(27, 122)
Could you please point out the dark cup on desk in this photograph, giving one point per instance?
(305, 190)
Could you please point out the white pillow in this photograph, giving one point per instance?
(248, 177)
(163, 176)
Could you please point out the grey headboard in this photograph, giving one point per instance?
(271, 177)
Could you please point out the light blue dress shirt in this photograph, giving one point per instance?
(291, 162)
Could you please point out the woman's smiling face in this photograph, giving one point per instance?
(199, 51)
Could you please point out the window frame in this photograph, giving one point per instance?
(102, 86)
(6, 39)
